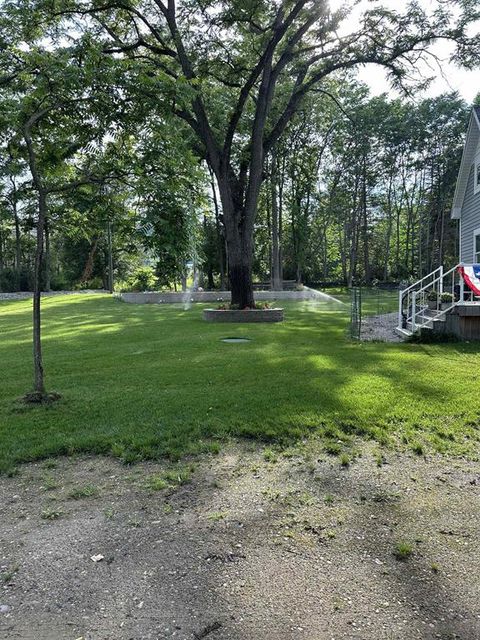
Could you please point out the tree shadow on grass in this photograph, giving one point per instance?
(145, 378)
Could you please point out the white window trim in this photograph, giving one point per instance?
(476, 232)
(476, 178)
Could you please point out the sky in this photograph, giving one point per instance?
(447, 78)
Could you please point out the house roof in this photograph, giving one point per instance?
(469, 150)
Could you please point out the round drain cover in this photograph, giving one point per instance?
(235, 339)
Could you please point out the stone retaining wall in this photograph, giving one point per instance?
(155, 297)
(26, 295)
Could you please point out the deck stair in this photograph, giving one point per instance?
(423, 304)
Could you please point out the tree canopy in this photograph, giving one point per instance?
(231, 134)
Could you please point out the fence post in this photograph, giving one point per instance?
(414, 310)
(355, 312)
(400, 309)
(359, 312)
(440, 288)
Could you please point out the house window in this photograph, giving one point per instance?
(476, 246)
(476, 180)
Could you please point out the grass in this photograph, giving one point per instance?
(374, 301)
(403, 551)
(142, 382)
(169, 479)
(51, 514)
(156, 483)
(87, 491)
(345, 460)
(217, 515)
(7, 576)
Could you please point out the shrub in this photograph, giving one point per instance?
(12, 280)
(427, 336)
(225, 306)
(59, 283)
(446, 297)
(94, 283)
(143, 279)
(432, 295)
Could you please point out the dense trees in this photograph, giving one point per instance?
(233, 135)
(236, 73)
(358, 189)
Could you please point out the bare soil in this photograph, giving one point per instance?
(294, 547)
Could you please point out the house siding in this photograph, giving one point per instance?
(470, 220)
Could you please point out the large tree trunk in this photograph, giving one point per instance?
(238, 225)
(240, 271)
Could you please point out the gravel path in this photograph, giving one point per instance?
(380, 328)
(248, 549)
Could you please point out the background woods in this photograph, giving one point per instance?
(357, 189)
(232, 136)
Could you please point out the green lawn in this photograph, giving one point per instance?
(146, 381)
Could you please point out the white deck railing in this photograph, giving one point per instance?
(420, 304)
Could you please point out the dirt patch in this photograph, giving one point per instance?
(293, 548)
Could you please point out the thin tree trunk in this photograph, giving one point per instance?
(388, 234)
(18, 237)
(366, 251)
(276, 279)
(280, 220)
(1, 254)
(220, 236)
(88, 269)
(39, 384)
(110, 256)
(47, 265)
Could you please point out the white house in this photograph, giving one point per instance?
(449, 301)
(466, 203)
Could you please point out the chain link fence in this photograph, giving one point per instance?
(370, 301)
